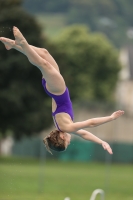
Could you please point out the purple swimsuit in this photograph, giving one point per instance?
(64, 104)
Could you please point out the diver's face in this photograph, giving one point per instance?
(66, 137)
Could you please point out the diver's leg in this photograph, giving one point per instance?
(55, 82)
(46, 55)
(10, 44)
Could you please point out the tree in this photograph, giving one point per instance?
(89, 64)
(111, 17)
(46, 6)
(23, 104)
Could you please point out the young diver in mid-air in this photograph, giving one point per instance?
(54, 85)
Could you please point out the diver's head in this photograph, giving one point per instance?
(57, 141)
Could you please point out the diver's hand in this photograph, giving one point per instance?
(107, 147)
(117, 114)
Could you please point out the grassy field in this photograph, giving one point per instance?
(29, 179)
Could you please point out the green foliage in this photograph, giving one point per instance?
(112, 17)
(22, 106)
(9, 3)
(47, 6)
(89, 64)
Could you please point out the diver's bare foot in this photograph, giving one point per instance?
(19, 38)
(9, 44)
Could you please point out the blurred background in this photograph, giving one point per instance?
(92, 42)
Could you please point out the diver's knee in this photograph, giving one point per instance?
(45, 51)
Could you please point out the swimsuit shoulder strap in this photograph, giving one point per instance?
(56, 123)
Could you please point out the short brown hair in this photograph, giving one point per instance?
(54, 141)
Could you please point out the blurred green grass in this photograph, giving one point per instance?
(52, 24)
(27, 179)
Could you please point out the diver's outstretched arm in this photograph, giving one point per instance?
(86, 135)
(73, 127)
